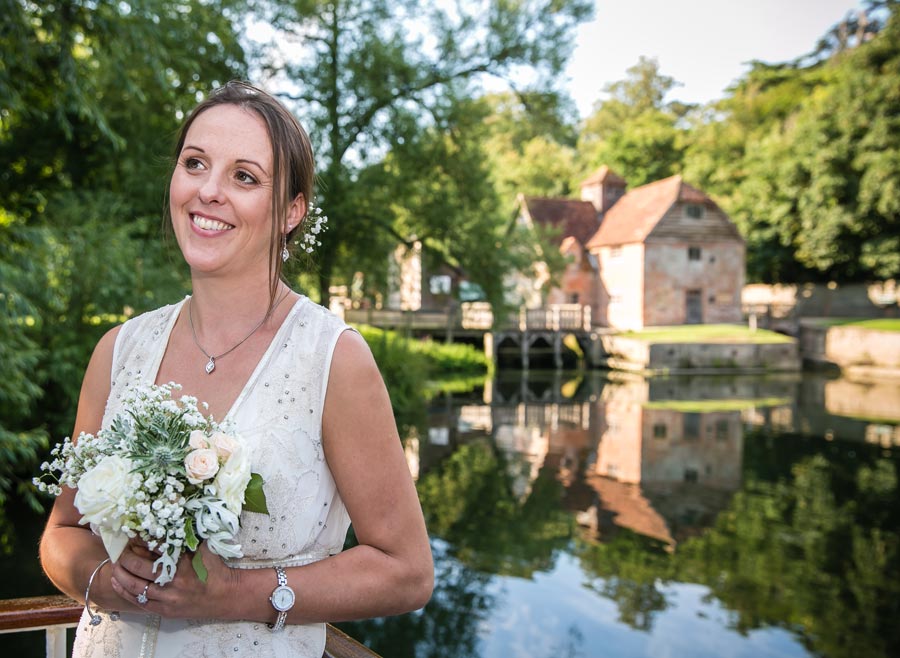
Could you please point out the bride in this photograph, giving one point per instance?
(299, 386)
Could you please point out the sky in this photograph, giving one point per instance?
(703, 44)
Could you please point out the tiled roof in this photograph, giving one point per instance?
(577, 219)
(633, 216)
(604, 175)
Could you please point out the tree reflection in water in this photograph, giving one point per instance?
(484, 530)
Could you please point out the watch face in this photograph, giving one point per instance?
(283, 598)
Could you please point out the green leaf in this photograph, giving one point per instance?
(199, 567)
(190, 537)
(254, 496)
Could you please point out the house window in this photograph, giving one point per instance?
(695, 253)
(615, 252)
(439, 285)
(691, 429)
(721, 430)
(659, 431)
(694, 211)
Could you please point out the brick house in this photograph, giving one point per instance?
(570, 223)
(666, 255)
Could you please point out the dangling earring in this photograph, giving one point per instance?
(284, 251)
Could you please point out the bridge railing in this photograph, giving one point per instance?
(477, 316)
(555, 317)
(55, 614)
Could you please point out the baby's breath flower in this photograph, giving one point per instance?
(153, 498)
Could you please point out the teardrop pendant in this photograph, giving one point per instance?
(211, 365)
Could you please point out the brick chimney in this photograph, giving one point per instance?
(603, 188)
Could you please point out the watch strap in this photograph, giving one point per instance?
(282, 614)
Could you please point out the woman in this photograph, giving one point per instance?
(304, 393)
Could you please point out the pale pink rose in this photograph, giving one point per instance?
(224, 445)
(202, 464)
(198, 440)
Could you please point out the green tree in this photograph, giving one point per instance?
(530, 145)
(635, 130)
(374, 74)
(805, 156)
(91, 94)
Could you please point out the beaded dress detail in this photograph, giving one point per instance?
(279, 415)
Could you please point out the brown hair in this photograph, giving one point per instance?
(293, 164)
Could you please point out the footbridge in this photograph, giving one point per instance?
(530, 337)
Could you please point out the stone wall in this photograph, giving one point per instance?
(621, 286)
(782, 306)
(849, 347)
(669, 274)
(634, 354)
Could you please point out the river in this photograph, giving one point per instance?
(592, 515)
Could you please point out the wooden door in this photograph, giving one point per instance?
(694, 307)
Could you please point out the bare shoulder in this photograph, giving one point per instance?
(357, 404)
(102, 357)
(96, 384)
(352, 356)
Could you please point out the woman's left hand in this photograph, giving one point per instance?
(185, 596)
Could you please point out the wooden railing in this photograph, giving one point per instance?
(475, 316)
(479, 317)
(555, 317)
(54, 614)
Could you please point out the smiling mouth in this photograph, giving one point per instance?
(208, 224)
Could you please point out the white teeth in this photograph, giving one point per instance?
(209, 224)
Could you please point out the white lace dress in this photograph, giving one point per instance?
(279, 413)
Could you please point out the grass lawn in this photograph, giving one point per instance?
(707, 406)
(876, 324)
(707, 333)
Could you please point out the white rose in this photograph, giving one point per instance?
(224, 445)
(198, 440)
(232, 480)
(101, 491)
(201, 465)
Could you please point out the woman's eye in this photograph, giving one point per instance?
(192, 163)
(244, 177)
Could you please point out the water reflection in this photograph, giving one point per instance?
(598, 516)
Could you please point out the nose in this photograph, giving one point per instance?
(212, 189)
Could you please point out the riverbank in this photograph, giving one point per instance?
(863, 349)
(697, 349)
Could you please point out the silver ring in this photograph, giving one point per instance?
(142, 597)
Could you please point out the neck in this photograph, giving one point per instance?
(230, 308)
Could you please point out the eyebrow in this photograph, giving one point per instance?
(239, 160)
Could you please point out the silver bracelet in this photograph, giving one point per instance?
(95, 617)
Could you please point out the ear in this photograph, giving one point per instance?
(296, 212)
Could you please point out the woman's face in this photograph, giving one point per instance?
(220, 194)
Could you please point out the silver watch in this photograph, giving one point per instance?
(282, 599)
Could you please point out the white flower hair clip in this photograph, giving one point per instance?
(316, 222)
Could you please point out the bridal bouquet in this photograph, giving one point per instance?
(161, 471)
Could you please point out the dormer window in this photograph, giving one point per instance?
(694, 210)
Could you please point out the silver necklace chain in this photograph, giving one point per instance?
(211, 364)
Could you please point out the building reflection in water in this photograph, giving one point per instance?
(660, 470)
(658, 456)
